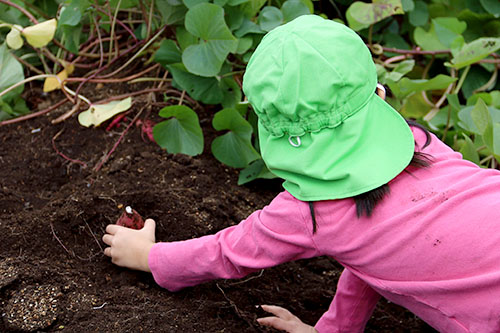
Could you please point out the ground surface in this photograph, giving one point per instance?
(53, 276)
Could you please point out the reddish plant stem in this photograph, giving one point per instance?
(101, 163)
(57, 238)
(433, 53)
(400, 51)
(83, 164)
(124, 79)
(123, 25)
(99, 39)
(108, 65)
(34, 115)
(135, 93)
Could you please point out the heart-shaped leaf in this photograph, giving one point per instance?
(475, 51)
(204, 89)
(168, 53)
(11, 70)
(441, 35)
(361, 15)
(256, 169)
(270, 17)
(233, 148)
(99, 113)
(206, 21)
(181, 133)
(292, 9)
(405, 86)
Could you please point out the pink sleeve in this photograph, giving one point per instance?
(351, 307)
(268, 237)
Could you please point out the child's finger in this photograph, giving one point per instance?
(112, 228)
(150, 225)
(107, 239)
(276, 323)
(278, 311)
(107, 251)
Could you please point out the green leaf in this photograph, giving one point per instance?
(168, 53)
(415, 107)
(481, 116)
(206, 21)
(292, 9)
(12, 72)
(72, 37)
(475, 51)
(248, 27)
(184, 38)
(269, 18)
(252, 7)
(71, 15)
(401, 69)
(443, 32)
(468, 124)
(408, 5)
(361, 15)
(419, 15)
(171, 13)
(232, 92)
(256, 169)
(244, 44)
(180, 134)
(234, 17)
(192, 3)
(203, 89)
(233, 148)
(468, 150)
(491, 6)
(406, 86)
(496, 140)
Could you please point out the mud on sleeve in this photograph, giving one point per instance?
(351, 307)
(268, 237)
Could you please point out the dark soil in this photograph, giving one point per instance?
(53, 212)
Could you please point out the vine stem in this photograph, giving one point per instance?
(112, 33)
(421, 52)
(462, 79)
(145, 46)
(35, 114)
(83, 164)
(101, 163)
(32, 78)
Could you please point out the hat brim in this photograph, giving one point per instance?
(367, 150)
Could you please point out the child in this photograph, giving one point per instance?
(407, 217)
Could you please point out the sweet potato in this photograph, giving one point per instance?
(131, 219)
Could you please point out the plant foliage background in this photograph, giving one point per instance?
(437, 57)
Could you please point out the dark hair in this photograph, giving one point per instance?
(366, 202)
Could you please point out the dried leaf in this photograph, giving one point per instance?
(40, 34)
(53, 83)
(13, 39)
(99, 113)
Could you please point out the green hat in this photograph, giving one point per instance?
(322, 128)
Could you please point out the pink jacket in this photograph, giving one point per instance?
(432, 245)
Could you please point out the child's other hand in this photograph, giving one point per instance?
(128, 247)
(284, 321)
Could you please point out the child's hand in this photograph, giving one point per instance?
(284, 321)
(128, 247)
